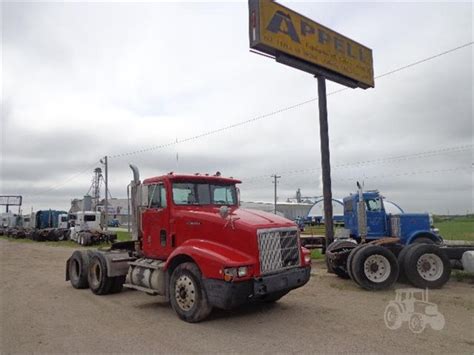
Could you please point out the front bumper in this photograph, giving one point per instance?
(227, 295)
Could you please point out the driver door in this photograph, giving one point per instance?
(156, 226)
(375, 218)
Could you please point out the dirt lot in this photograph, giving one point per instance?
(41, 312)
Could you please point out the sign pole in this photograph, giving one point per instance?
(325, 159)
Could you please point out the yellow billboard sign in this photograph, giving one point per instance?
(277, 30)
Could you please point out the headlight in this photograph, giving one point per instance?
(234, 272)
(242, 271)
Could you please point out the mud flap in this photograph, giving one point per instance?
(67, 269)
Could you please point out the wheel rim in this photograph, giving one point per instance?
(185, 292)
(377, 268)
(430, 267)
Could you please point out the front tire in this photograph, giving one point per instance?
(187, 295)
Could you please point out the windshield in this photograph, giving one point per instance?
(204, 194)
(89, 218)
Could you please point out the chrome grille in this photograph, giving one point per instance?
(395, 226)
(278, 249)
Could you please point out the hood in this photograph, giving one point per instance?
(242, 219)
(259, 219)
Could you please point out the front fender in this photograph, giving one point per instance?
(416, 234)
(211, 257)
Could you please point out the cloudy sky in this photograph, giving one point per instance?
(81, 81)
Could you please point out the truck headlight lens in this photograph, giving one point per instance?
(242, 271)
(233, 272)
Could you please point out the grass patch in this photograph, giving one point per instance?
(316, 254)
(450, 227)
(463, 276)
(456, 228)
(122, 236)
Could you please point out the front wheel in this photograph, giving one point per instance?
(187, 294)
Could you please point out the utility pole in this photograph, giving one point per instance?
(275, 182)
(106, 204)
(325, 159)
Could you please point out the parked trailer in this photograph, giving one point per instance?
(382, 248)
(193, 244)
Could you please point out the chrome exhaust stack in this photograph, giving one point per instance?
(136, 197)
(361, 215)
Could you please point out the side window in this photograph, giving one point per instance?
(163, 196)
(348, 206)
(374, 204)
(156, 196)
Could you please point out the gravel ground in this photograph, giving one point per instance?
(40, 312)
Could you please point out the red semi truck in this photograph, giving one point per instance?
(193, 244)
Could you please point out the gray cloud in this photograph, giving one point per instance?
(84, 80)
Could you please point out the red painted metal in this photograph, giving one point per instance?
(200, 232)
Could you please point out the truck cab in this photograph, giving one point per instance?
(408, 227)
(87, 220)
(195, 245)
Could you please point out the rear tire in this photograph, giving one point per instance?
(349, 260)
(99, 282)
(187, 294)
(427, 266)
(78, 266)
(402, 277)
(338, 268)
(374, 267)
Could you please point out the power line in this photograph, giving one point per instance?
(70, 178)
(411, 173)
(424, 154)
(284, 109)
(401, 174)
(257, 118)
